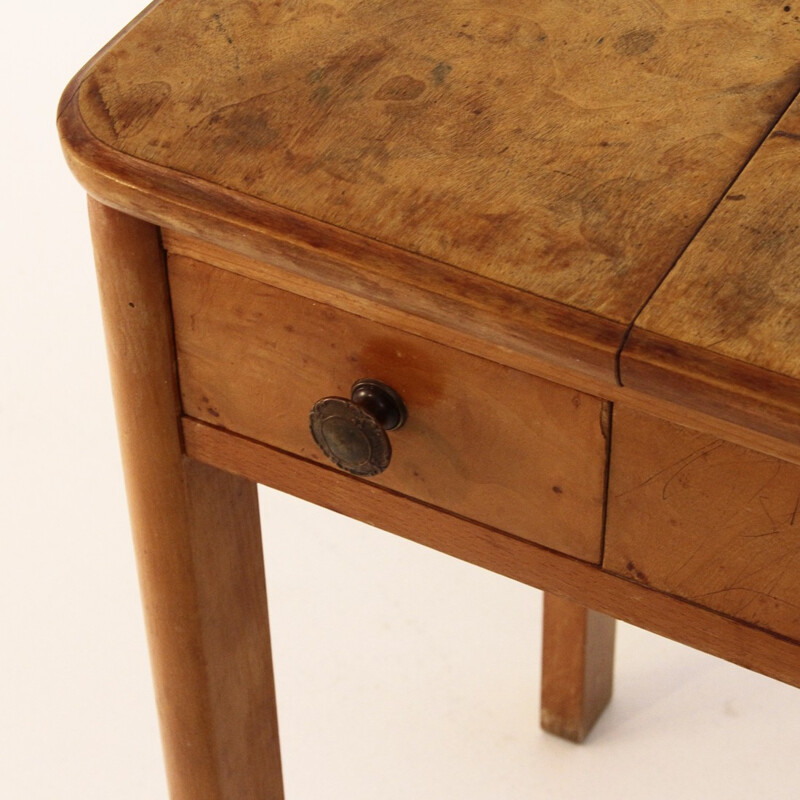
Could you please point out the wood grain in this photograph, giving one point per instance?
(722, 334)
(558, 336)
(489, 137)
(704, 519)
(736, 291)
(198, 544)
(577, 667)
(583, 583)
(646, 125)
(482, 440)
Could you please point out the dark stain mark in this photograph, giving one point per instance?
(221, 28)
(131, 305)
(351, 67)
(635, 42)
(440, 72)
(786, 135)
(213, 412)
(464, 34)
(401, 87)
(196, 102)
(254, 175)
(735, 197)
(321, 94)
(635, 572)
(243, 127)
(558, 490)
(127, 113)
(787, 8)
(601, 40)
(316, 75)
(487, 229)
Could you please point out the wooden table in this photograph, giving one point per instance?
(565, 235)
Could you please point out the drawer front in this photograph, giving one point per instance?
(705, 520)
(484, 441)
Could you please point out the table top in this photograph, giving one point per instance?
(577, 178)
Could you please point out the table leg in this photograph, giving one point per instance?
(577, 667)
(198, 544)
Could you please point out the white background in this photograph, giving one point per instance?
(401, 673)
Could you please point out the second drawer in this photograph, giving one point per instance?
(706, 520)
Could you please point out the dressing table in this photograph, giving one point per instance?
(517, 281)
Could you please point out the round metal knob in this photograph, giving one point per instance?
(352, 433)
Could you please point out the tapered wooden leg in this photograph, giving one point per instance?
(577, 667)
(198, 545)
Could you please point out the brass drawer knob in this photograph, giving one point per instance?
(352, 433)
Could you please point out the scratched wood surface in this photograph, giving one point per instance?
(482, 440)
(703, 519)
(724, 328)
(570, 149)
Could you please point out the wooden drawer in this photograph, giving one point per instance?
(706, 520)
(484, 441)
